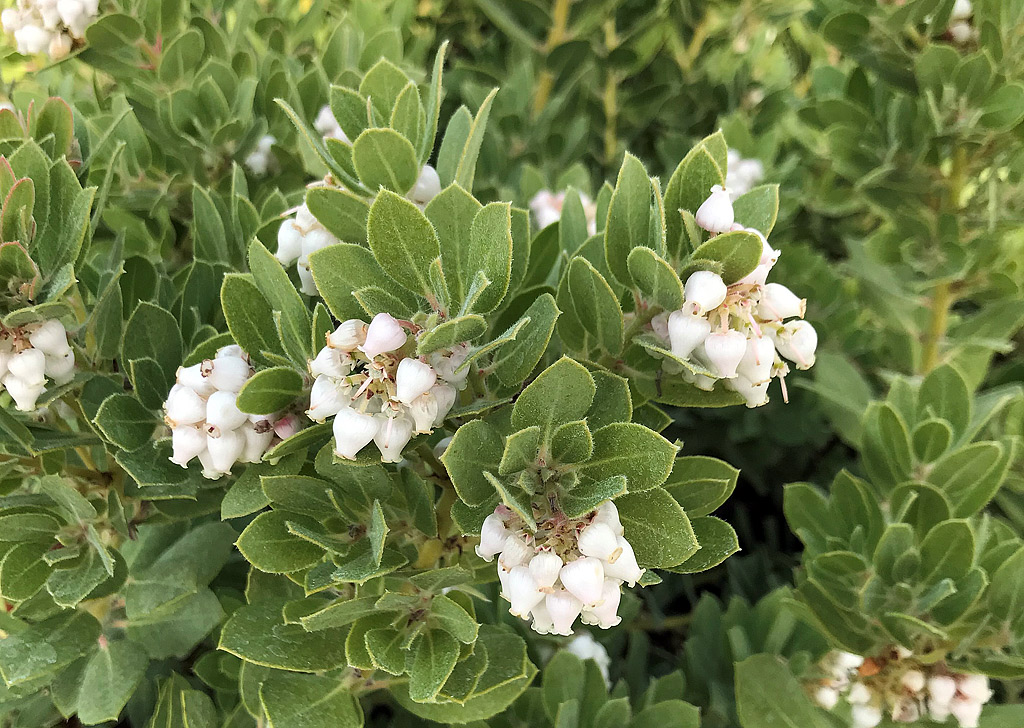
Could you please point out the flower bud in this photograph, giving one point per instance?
(584, 578)
(317, 239)
(754, 394)
(222, 411)
(522, 591)
(848, 661)
(493, 536)
(257, 441)
(23, 393)
(625, 567)
(10, 18)
(289, 242)
(938, 711)
(187, 442)
(859, 694)
(542, 622)
(50, 338)
(913, 680)
(826, 697)
(287, 426)
(704, 291)
(715, 214)
(225, 450)
(445, 396)
(61, 368)
(545, 567)
(563, 608)
(306, 283)
(605, 614)
(608, 514)
(757, 361)
(447, 364)
(330, 362)
(724, 350)
(966, 711)
(383, 334)
(865, 716)
(756, 277)
(184, 407)
(28, 365)
(941, 688)
(686, 332)
(975, 687)
(778, 302)
(428, 186)
(195, 378)
(352, 432)
(412, 379)
(327, 398)
(348, 336)
(797, 341)
(393, 434)
(228, 373)
(424, 412)
(962, 10)
(32, 39)
(515, 553)
(598, 540)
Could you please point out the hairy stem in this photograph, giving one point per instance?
(556, 33)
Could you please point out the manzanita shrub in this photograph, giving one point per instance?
(394, 364)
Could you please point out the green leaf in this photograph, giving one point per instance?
(340, 613)
(596, 305)
(717, 541)
(46, 647)
(562, 393)
(453, 619)
(521, 449)
(628, 217)
(125, 422)
(688, 187)
(632, 450)
(309, 701)
(257, 633)
(461, 155)
(109, 680)
(339, 270)
(944, 394)
(476, 447)
(270, 390)
(451, 333)
(515, 360)
(249, 317)
(655, 278)
(739, 253)
(272, 280)
(489, 251)
(971, 476)
(340, 211)
(152, 332)
(768, 696)
(657, 528)
(587, 496)
(269, 546)
(947, 552)
(758, 208)
(434, 657)
(701, 484)
(402, 240)
(385, 159)
(572, 443)
(1003, 108)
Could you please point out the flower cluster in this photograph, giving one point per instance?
(908, 691)
(739, 333)
(377, 390)
(206, 423)
(568, 568)
(742, 175)
(328, 126)
(31, 353)
(260, 159)
(49, 25)
(960, 28)
(547, 209)
(297, 238)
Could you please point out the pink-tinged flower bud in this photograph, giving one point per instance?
(865, 716)
(424, 412)
(222, 411)
(257, 440)
(225, 450)
(516, 552)
(348, 336)
(659, 324)
(724, 350)
(186, 443)
(797, 341)
(289, 242)
(542, 622)
(715, 214)
(975, 687)
(28, 365)
(50, 338)
(913, 680)
(25, 394)
(705, 290)
(967, 711)
(393, 434)
(195, 378)
(412, 379)
(605, 614)
(625, 567)
(327, 398)
(493, 536)
(757, 361)
(61, 368)
(598, 540)
(826, 697)
(427, 187)
(584, 578)
(229, 373)
(754, 394)
(778, 302)
(608, 514)
(317, 239)
(522, 591)
(287, 426)
(445, 396)
(686, 332)
(352, 432)
(184, 407)
(941, 689)
(545, 567)
(563, 608)
(330, 362)
(756, 277)
(383, 334)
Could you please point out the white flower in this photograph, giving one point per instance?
(975, 687)
(222, 411)
(966, 711)
(326, 399)
(427, 186)
(913, 680)
(542, 622)
(23, 393)
(445, 396)
(289, 242)
(224, 449)
(287, 426)
(515, 553)
(585, 647)
(50, 338)
(584, 578)
(493, 536)
(961, 31)
(716, 214)
(522, 591)
(393, 434)
(11, 19)
(605, 613)
(848, 660)
(196, 378)
(608, 514)
(686, 332)
(563, 608)
(184, 406)
(625, 567)
(306, 282)
(328, 125)
(866, 716)
(187, 442)
(382, 335)
(757, 361)
(826, 697)
(797, 341)
(754, 394)
(941, 688)
(545, 567)
(412, 379)
(32, 39)
(424, 411)
(257, 440)
(28, 365)
(598, 540)
(724, 351)
(229, 373)
(349, 335)
(962, 10)
(859, 694)
(330, 362)
(546, 208)
(704, 291)
(61, 368)
(938, 711)
(778, 302)
(352, 432)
